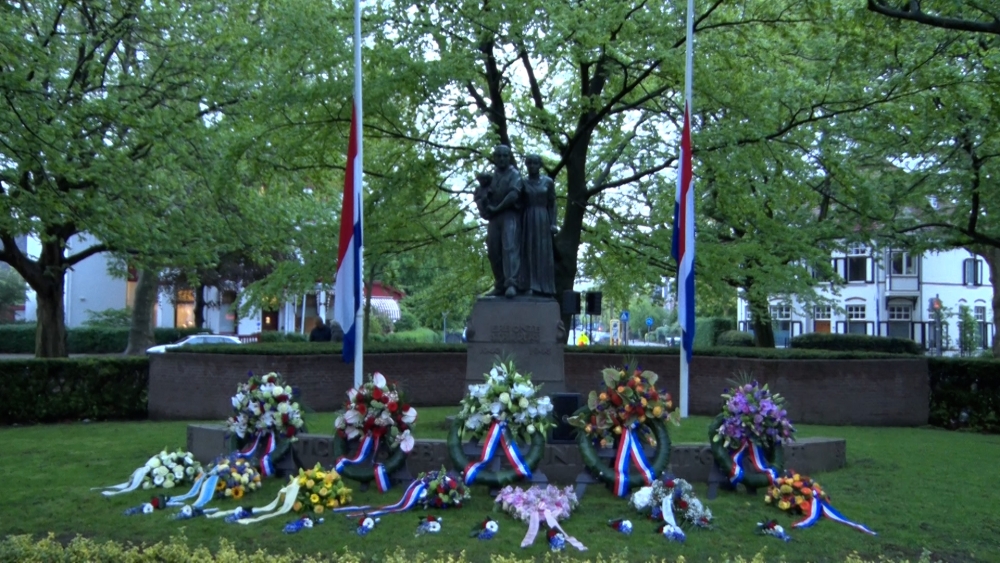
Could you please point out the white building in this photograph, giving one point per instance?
(91, 287)
(887, 293)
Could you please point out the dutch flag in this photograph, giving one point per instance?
(347, 301)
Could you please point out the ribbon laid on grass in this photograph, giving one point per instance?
(497, 437)
(757, 458)
(550, 519)
(202, 491)
(282, 504)
(629, 449)
(269, 444)
(411, 496)
(819, 508)
(368, 447)
(128, 486)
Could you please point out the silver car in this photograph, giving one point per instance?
(195, 340)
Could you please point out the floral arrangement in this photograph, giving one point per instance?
(265, 403)
(320, 490)
(169, 470)
(794, 493)
(303, 523)
(683, 503)
(772, 529)
(506, 396)
(428, 525)
(752, 413)
(377, 408)
(237, 477)
(521, 504)
(443, 491)
(628, 400)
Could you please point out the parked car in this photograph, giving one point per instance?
(195, 340)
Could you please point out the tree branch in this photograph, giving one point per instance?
(912, 12)
(84, 254)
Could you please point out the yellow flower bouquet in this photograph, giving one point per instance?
(320, 490)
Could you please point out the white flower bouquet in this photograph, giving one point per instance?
(265, 404)
(506, 396)
(171, 469)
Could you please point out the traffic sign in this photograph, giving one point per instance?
(649, 322)
(624, 316)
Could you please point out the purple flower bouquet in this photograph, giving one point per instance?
(752, 413)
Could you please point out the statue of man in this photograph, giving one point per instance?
(503, 233)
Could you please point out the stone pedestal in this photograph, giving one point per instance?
(526, 329)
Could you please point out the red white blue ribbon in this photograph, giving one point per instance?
(495, 437)
(411, 496)
(368, 447)
(269, 445)
(757, 459)
(820, 507)
(629, 448)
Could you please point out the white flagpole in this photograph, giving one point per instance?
(688, 78)
(359, 319)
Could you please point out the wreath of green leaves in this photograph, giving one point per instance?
(752, 479)
(362, 472)
(606, 474)
(500, 478)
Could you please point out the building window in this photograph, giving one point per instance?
(856, 264)
(749, 314)
(856, 320)
(184, 308)
(781, 313)
(972, 271)
(980, 313)
(900, 312)
(857, 250)
(902, 264)
(822, 312)
(856, 312)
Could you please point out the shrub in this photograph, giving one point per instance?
(407, 321)
(856, 342)
(274, 336)
(380, 346)
(110, 318)
(20, 339)
(71, 389)
(735, 338)
(965, 392)
(417, 335)
(707, 330)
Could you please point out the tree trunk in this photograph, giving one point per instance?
(763, 331)
(992, 258)
(50, 336)
(140, 335)
(567, 242)
(199, 305)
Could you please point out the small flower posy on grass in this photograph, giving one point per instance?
(320, 490)
(237, 477)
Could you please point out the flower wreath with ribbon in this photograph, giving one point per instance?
(500, 411)
(164, 470)
(230, 476)
(314, 491)
(666, 500)
(747, 437)
(626, 414)
(375, 415)
(798, 494)
(266, 420)
(548, 504)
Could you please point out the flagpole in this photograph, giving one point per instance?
(688, 78)
(359, 318)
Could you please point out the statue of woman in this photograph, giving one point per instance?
(538, 226)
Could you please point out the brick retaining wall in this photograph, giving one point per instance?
(892, 392)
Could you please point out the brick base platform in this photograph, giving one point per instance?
(561, 464)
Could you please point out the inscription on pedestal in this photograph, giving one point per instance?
(522, 334)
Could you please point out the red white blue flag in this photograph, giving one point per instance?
(683, 242)
(347, 289)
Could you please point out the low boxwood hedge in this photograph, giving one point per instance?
(855, 343)
(20, 339)
(965, 393)
(735, 338)
(59, 390)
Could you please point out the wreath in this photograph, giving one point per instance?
(628, 412)
(377, 416)
(266, 419)
(747, 437)
(501, 411)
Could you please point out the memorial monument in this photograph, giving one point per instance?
(520, 317)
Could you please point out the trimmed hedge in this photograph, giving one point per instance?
(965, 392)
(736, 339)
(72, 389)
(707, 330)
(20, 339)
(856, 343)
(316, 348)
(274, 336)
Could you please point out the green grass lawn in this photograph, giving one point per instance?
(919, 488)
